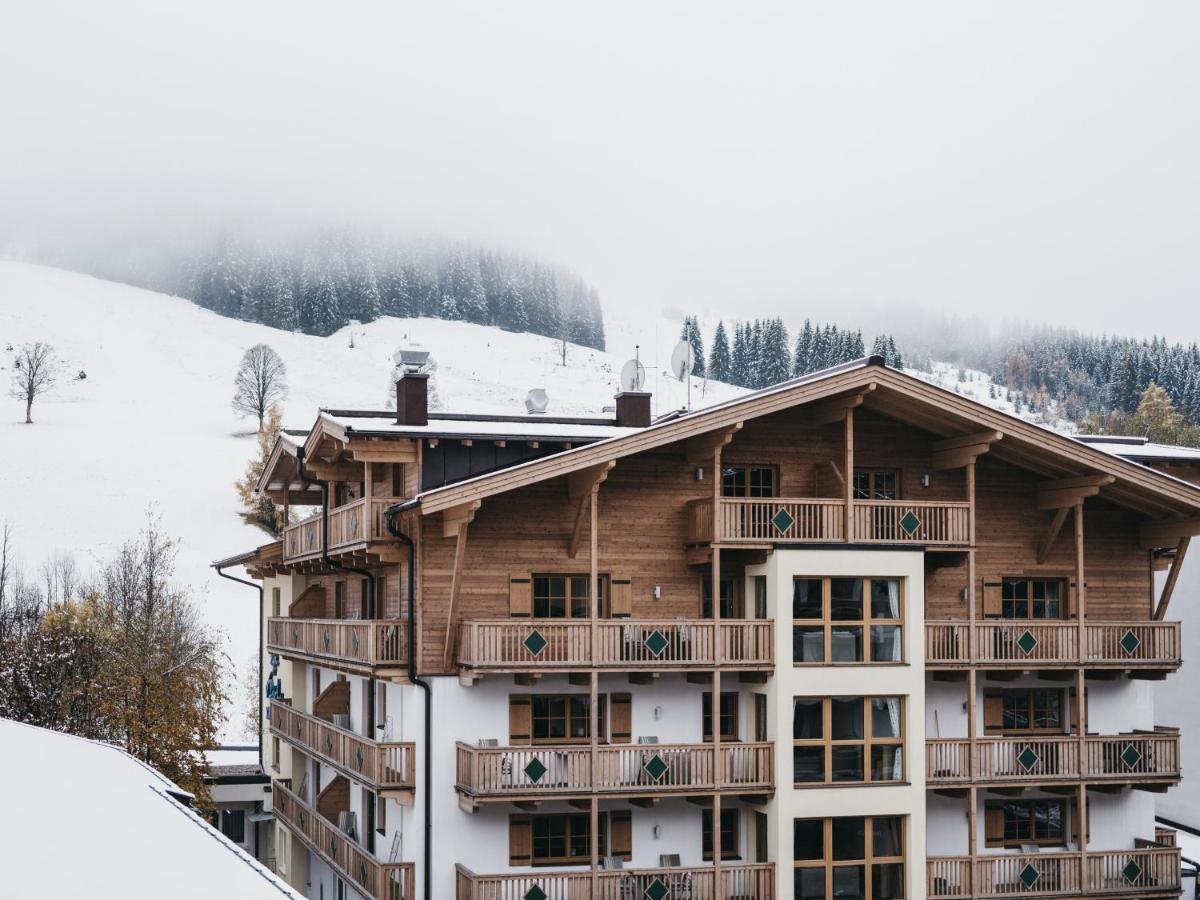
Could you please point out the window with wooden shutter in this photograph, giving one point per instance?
(622, 598)
(520, 840)
(621, 718)
(993, 824)
(621, 843)
(520, 596)
(993, 603)
(520, 720)
(993, 712)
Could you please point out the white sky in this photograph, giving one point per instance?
(1015, 158)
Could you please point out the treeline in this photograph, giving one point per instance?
(760, 354)
(318, 284)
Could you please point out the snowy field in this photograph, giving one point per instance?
(151, 427)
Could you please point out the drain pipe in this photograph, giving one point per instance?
(261, 615)
(389, 518)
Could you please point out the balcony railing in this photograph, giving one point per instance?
(359, 644)
(506, 645)
(368, 876)
(1121, 758)
(1033, 643)
(502, 773)
(1148, 872)
(744, 882)
(382, 766)
(354, 523)
(787, 520)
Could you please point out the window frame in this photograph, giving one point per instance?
(865, 624)
(1064, 588)
(1066, 819)
(569, 580)
(1031, 707)
(867, 742)
(571, 820)
(873, 474)
(748, 488)
(734, 850)
(734, 715)
(568, 718)
(867, 862)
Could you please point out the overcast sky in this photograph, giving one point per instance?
(1025, 159)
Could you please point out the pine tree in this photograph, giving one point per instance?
(739, 362)
(776, 365)
(691, 334)
(326, 308)
(720, 364)
(371, 299)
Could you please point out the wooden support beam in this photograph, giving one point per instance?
(827, 412)
(1064, 492)
(404, 451)
(580, 486)
(456, 516)
(837, 473)
(1168, 532)
(1056, 524)
(460, 553)
(957, 457)
(1169, 588)
(958, 442)
(701, 448)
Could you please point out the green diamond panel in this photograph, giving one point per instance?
(1029, 875)
(783, 520)
(362, 873)
(535, 643)
(354, 642)
(329, 743)
(1028, 758)
(656, 767)
(325, 638)
(535, 893)
(1132, 871)
(910, 523)
(358, 757)
(656, 642)
(657, 890)
(1131, 756)
(1130, 642)
(1027, 642)
(535, 770)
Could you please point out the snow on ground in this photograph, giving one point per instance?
(151, 426)
(131, 838)
(979, 386)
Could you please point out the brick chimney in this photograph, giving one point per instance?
(633, 409)
(412, 399)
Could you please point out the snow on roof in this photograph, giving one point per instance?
(131, 837)
(1138, 448)
(482, 428)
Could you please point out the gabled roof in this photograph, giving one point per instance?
(892, 393)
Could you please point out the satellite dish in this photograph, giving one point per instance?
(536, 401)
(682, 360)
(633, 376)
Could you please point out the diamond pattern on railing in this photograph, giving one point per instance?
(332, 845)
(783, 520)
(657, 890)
(534, 642)
(1029, 875)
(295, 636)
(354, 523)
(1028, 758)
(297, 728)
(354, 642)
(329, 744)
(535, 893)
(1132, 871)
(362, 872)
(656, 767)
(1130, 642)
(358, 757)
(303, 819)
(656, 642)
(910, 523)
(1131, 756)
(325, 638)
(1027, 642)
(535, 770)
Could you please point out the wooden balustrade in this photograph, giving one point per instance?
(1165, 837)
(359, 644)
(357, 522)
(1142, 872)
(381, 766)
(744, 882)
(932, 522)
(662, 644)
(1026, 758)
(367, 875)
(1033, 643)
(634, 769)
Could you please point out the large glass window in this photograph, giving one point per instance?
(1035, 821)
(749, 481)
(564, 596)
(847, 740)
(1038, 709)
(849, 856)
(847, 620)
(559, 718)
(729, 833)
(1033, 598)
(876, 484)
(561, 839)
(729, 716)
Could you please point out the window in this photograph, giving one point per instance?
(275, 753)
(559, 718)
(849, 856)
(339, 599)
(760, 596)
(729, 715)
(561, 838)
(876, 484)
(847, 740)
(1015, 822)
(729, 833)
(749, 481)
(233, 825)
(847, 620)
(731, 608)
(275, 592)
(1033, 598)
(380, 814)
(1023, 710)
(565, 838)
(564, 596)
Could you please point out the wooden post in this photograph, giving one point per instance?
(972, 689)
(715, 706)
(594, 680)
(594, 715)
(1080, 585)
(1081, 824)
(972, 839)
(849, 463)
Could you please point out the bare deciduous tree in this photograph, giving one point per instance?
(34, 372)
(260, 383)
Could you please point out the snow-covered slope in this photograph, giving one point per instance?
(151, 426)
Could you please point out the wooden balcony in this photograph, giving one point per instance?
(532, 772)
(385, 767)
(1141, 757)
(367, 875)
(784, 520)
(377, 647)
(352, 526)
(740, 882)
(1141, 873)
(540, 645)
(1166, 837)
(1037, 643)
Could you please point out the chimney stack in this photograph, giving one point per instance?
(412, 399)
(633, 409)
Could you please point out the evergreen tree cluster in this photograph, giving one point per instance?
(319, 284)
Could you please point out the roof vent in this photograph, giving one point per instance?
(410, 359)
(536, 402)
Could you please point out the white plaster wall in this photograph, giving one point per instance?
(945, 716)
(946, 826)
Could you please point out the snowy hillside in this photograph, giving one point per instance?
(151, 426)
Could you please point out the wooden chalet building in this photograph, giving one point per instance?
(850, 636)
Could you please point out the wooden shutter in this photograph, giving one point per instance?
(622, 598)
(1077, 707)
(621, 844)
(520, 840)
(520, 596)
(993, 711)
(520, 720)
(621, 718)
(992, 604)
(993, 823)
(1072, 600)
